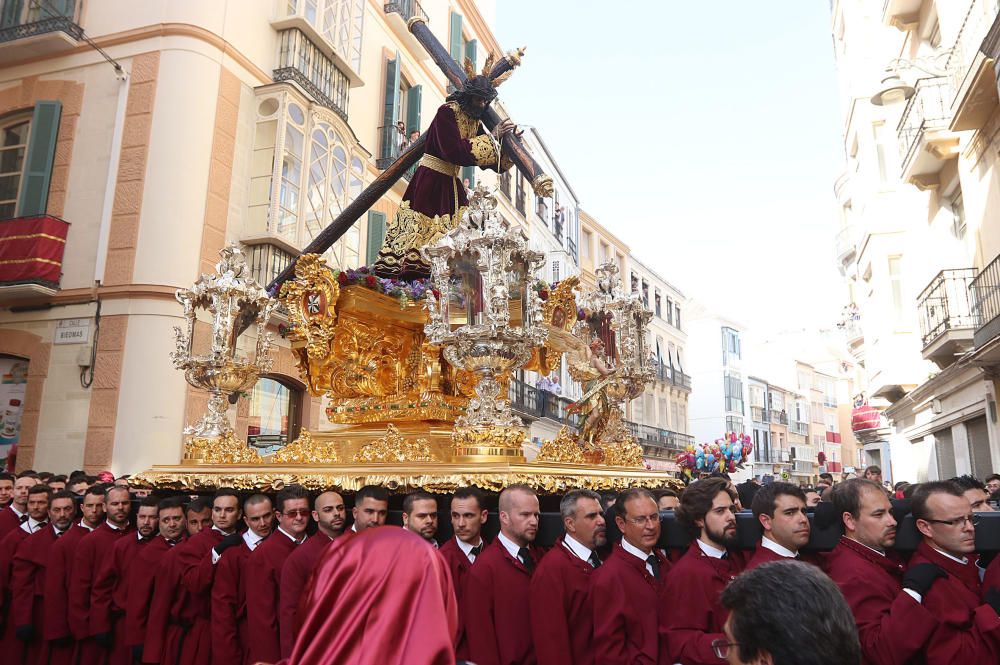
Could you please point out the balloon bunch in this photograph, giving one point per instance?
(725, 454)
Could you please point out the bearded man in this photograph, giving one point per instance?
(435, 200)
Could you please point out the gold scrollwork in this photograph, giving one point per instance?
(306, 450)
(311, 300)
(395, 448)
(226, 449)
(563, 449)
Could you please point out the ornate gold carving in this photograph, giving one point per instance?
(306, 450)
(369, 360)
(409, 230)
(468, 126)
(542, 185)
(623, 454)
(483, 150)
(559, 311)
(226, 449)
(563, 449)
(428, 406)
(311, 300)
(393, 447)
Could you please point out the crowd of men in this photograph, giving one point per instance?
(88, 579)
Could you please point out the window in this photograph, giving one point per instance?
(817, 413)
(645, 294)
(670, 311)
(275, 414)
(303, 173)
(505, 184)
(677, 316)
(340, 22)
(896, 287)
(878, 132)
(656, 303)
(734, 392)
(302, 61)
(519, 192)
(13, 149)
(555, 271)
(734, 424)
(585, 244)
(957, 207)
(757, 396)
(730, 345)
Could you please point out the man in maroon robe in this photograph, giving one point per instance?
(780, 508)
(6, 489)
(15, 514)
(330, 516)
(626, 591)
(27, 579)
(562, 611)
(57, 631)
(38, 508)
(141, 575)
(178, 629)
(969, 630)
(110, 591)
(468, 515)
(264, 567)
(371, 507)
(435, 199)
(708, 511)
(93, 551)
(893, 625)
(497, 597)
(229, 609)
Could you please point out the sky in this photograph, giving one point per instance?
(706, 135)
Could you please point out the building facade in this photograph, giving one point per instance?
(920, 229)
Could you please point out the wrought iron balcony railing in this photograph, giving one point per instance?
(27, 18)
(927, 109)
(667, 374)
(301, 61)
(407, 9)
(267, 261)
(760, 414)
(986, 303)
(945, 304)
(571, 248)
(532, 402)
(799, 427)
(391, 144)
(648, 435)
(779, 417)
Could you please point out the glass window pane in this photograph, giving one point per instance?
(267, 426)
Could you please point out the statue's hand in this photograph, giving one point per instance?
(506, 127)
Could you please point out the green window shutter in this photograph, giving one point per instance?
(389, 137)
(413, 97)
(456, 38)
(11, 13)
(470, 53)
(376, 235)
(38, 164)
(470, 173)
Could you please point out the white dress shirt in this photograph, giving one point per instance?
(708, 550)
(780, 550)
(467, 548)
(636, 552)
(581, 551)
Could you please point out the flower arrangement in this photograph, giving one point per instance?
(402, 290)
(725, 454)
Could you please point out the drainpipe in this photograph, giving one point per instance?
(112, 179)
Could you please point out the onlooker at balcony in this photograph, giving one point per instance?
(468, 187)
(401, 143)
(414, 135)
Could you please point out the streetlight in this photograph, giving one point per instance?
(893, 89)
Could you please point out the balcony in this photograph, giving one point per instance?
(925, 142)
(901, 14)
(799, 427)
(267, 260)
(833, 437)
(661, 440)
(970, 66)
(331, 27)
(30, 29)
(398, 15)
(779, 417)
(771, 455)
(31, 254)
(533, 403)
(986, 311)
(801, 467)
(672, 376)
(760, 414)
(303, 63)
(945, 313)
(571, 248)
(846, 243)
(390, 147)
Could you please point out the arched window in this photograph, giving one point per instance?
(275, 417)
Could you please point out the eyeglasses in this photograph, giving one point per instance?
(959, 521)
(721, 647)
(300, 512)
(644, 520)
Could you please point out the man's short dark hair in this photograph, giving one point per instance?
(57, 479)
(792, 611)
(40, 488)
(226, 491)
(628, 495)
(28, 473)
(471, 493)
(846, 496)
(45, 476)
(413, 497)
(766, 497)
(918, 505)
(376, 492)
(967, 482)
(567, 505)
(96, 490)
(254, 499)
(659, 494)
(697, 500)
(289, 493)
(171, 502)
(992, 476)
(7, 476)
(200, 504)
(827, 476)
(874, 468)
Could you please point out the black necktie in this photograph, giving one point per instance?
(526, 559)
(654, 563)
(24, 518)
(475, 551)
(595, 560)
(725, 555)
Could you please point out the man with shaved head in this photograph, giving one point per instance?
(229, 617)
(497, 593)
(330, 516)
(94, 550)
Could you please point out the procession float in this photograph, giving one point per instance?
(413, 356)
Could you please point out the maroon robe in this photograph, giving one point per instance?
(992, 578)
(263, 598)
(893, 628)
(459, 140)
(229, 608)
(9, 520)
(459, 565)
(57, 631)
(495, 606)
(152, 573)
(10, 646)
(110, 596)
(295, 575)
(689, 627)
(627, 601)
(186, 637)
(764, 555)
(93, 550)
(562, 613)
(969, 631)
(27, 583)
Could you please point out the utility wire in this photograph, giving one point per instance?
(54, 13)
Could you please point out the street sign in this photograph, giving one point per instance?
(72, 331)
